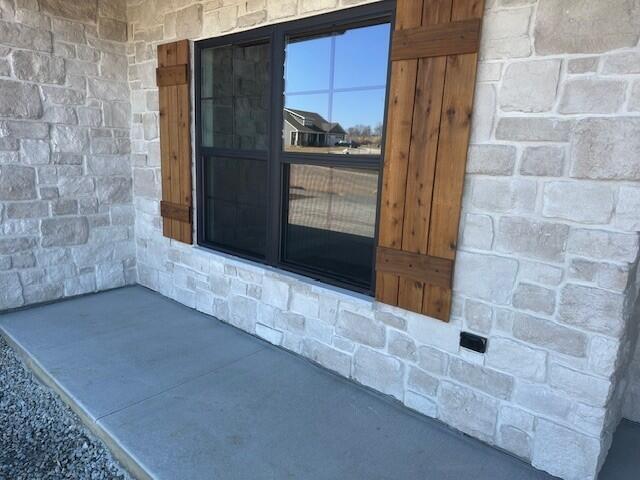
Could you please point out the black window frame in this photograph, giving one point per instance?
(275, 156)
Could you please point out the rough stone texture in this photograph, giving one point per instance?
(85, 11)
(530, 86)
(554, 444)
(59, 234)
(592, 309)
(382, 372)
(517, 359)
(17, 182)
(467, 410)
(491, 159)
(540, 160)
(580, 202)
(606, 148)
(581, 26)
(544, 161)
(541, 240)
(593, 96)
(18, 100)
(546, 334)
(534, 298)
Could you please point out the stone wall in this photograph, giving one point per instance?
(66, 206)
(549, 236)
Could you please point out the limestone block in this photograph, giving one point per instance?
(588, 95)
(379, 371)
(603, 245)
(550, 335)
(63, 231)
(524, 129)
(189, 22)
(530, 86)
(110, 29)
(22, 36)
(516, 359)
(486, 380)
(503, 195)
(477, 231)
(467, 410)
(360, 329)
(328, 357)
(606, 148)
(540, 240)
(491, 159)
(401, 345)
(478, 316)
(578, 201)
(581, 26)
(19, 100)
(37, 67)
(68, 139)
(17, 182)
(592, 309)
(10, 291)
(485, 277)
(85, 11)
(543, 161)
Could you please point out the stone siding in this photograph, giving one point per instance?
(66, 196)
(548, 246)
(548, 255)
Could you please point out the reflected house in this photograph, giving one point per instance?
(310, 129)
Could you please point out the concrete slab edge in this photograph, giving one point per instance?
(126, 460)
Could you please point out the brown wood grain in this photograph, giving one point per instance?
(174, 75)
(425, 154)
(438, 40)
(416, 266)
(396, 153)
(422, 158)
(175, 211)
(453, 144)
(175, 141)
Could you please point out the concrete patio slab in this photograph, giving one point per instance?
(183, 395)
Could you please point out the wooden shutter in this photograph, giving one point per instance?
(433, 72)
(172, 78)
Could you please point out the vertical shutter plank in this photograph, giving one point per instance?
(176, 167)
(422, 156)
(184, 157)
(397, 142)
(421, 215)
(175, 142)
(165, 162)
(452, 158)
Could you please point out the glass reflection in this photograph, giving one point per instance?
(331, 220)
(335, 91)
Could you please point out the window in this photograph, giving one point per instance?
(289, 131)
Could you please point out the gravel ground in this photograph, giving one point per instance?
(40, 437)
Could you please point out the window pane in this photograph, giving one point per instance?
(307, 65)
(362, 56)
(235, 97)
(335, 89)
(235, 204)
(330, 224)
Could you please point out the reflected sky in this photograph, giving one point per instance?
(342, 76)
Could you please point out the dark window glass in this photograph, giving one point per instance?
(330, 224)
(290, 142)
(235, 97)
(236, 198)
(335, 88)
